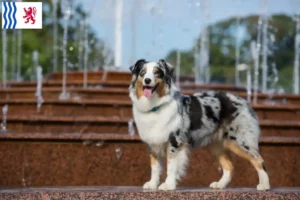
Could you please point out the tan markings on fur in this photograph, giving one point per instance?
(153, 159)
(256, 162)
(225, 161)
(139, 85)
(161, 89)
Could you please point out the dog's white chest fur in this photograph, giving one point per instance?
(155, 127)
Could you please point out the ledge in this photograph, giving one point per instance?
(291, 107)
(119, 137)
(111, 192)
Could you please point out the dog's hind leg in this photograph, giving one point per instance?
(227, 167)
(255, 159)
(177, 160)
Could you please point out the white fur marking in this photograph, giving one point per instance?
(149, 73)
(156, 169)
(263, 180)
(223, 182)
(176, 169)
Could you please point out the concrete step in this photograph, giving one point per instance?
(99, 124)
(122, 108)
(131, 192)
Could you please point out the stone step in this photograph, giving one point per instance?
(123, 94)
(122, 108)
(131, 192)
(120, 84)
(98, 124)
(39, 159)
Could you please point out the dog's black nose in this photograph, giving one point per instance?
(147, 80)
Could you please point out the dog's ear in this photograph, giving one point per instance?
(169, 68)
(136, 68)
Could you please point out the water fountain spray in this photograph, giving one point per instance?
(55, 45)
(106, 55)
(118, 33)
(131, 131)
(247, 68)
(265, 38)
(66, 7)
(133, 29)
(4, 58)
(271, 47)
(19, 53)
(178, 63)
(35, 59)
(196, 63)
(39, 83)
(297, 54)
(204, 48)
(237, 52)
(80, 44)
(255, 55)
(14, 55)
(197, 43)
(86, 55)
(4, 119)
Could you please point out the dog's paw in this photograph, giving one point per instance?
(263, 186)
(165, 186)
(217, 185)
(150, 185)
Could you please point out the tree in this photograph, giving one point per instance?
(222, 48)
(42, 41)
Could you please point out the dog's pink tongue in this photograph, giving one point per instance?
(147, 92)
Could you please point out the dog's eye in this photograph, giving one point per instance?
(158, 73)
(142, 73)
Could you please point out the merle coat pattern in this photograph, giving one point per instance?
(172, 124)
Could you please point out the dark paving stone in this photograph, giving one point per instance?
(111, 192)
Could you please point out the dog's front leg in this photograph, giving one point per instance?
(156, 169)
(177, 155)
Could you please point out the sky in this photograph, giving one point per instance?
(164, 25)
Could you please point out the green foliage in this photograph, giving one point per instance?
(222, 48)
(42, 41)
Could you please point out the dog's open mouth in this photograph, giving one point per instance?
(148, 90)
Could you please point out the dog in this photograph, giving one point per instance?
(172, 124)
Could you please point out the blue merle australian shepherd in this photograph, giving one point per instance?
(172, 124)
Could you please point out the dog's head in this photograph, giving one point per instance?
(151, 77)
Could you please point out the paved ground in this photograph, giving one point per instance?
(113, 192)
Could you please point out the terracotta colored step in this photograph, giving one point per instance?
(121, 84)
(91, 75)
(66, 124)
(58, 160)
(123, 94)
(88, 124)
(110, 108)
(74, 83)
(103, 75)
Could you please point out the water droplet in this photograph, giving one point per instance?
(99, 143)
(119, 152)
(87, 142)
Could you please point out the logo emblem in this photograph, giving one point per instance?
(22, 15)
(30, 15)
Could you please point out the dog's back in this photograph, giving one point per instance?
(220, 116)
